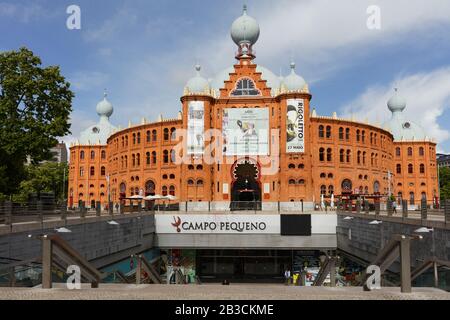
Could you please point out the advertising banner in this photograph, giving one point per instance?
(245, 131)
(217, 224)
(196, 128)
(295, 126)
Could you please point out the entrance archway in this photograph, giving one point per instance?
(246, 187)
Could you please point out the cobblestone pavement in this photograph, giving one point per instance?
(218, 292)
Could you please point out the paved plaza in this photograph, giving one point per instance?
(218, 292)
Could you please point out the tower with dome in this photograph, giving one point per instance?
(247, 139)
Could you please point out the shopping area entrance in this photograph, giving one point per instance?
(245, 266)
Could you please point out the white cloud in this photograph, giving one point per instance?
(427, 94)
(25, 12)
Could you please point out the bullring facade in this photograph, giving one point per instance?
(250, 136)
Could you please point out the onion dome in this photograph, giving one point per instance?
(104, 108)
(197, 84)
(401, 128)
(396, 103)
(294, 82)
(245, 29)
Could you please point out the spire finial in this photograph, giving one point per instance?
(105, 93)
(244, 10)
(396, 89)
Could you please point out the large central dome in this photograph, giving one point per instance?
(245, 29)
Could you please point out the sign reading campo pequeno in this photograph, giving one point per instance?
(203, 223)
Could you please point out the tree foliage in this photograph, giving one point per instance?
(444, 182)
(35, 105)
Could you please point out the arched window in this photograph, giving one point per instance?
(133, 160)
(148, 136)
(411, 197)
(421, 152)
(364, 158)
(166, 156)
(147, 158)
(397, 152)
(164, 191)
(92, 172)
(329, 155)
(190, 182)
(166, 134)
(410, 152)
(349, 154)
(347, 134)
(172, 176)
(422, 168)
(82, 155)
(424, 196)
(199, 167)
(103, 171)
(173, 156)
(134, 138)
(330, 189)
(376, 187)
(173, 134)
(138, 159)
(92, 155)
(371, 138)
(81, 171)
(341, 133)
(341, 155)
(138, 137)
(165, 176)
(154, 136)
(301, 166)
(323, 189)
(154, 157)
(410, 168)
(321, 132)
(399, 168)
(191, 167)
(301, 182)
(291, 166)
(321, 154)
(330, 176)
(150, 187)
(346, 186)
(358, 135)
(358, 157)
(328, 132)
(126, 161)
(363, 136)
(126, 140)
(103, 154)
(323, 175)
(245, 87)
(172, 190)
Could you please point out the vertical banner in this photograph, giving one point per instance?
(196, 128)
(245, 131)
(295, 126)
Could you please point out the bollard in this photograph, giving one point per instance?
(405, 208)
(377, 208)
(40, 211)
(389, 208)
(110, 208)
(98, 209)
(358, 206)
(423, 209)
(8, 212)
(366, 206)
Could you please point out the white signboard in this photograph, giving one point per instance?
(196, 126)
(295, 126)
(217, 224)
(245, 131)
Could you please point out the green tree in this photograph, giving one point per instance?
(444, 182)
(35, 105)
(46, 177)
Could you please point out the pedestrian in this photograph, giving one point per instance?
(287, 276)
(394, 206)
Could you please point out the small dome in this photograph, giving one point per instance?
(294, 82)
(397, 103)
(245, 29)
(197, 84)
(104, 107)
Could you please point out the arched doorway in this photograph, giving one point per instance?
(246, 188)
(150, 188)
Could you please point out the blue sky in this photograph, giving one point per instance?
(144, 51)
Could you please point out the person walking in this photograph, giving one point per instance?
(394, 206)
(287, 276)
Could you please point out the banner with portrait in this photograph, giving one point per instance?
(295, 126)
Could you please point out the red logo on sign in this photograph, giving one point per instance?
(177, 223)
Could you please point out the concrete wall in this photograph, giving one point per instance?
(98, 241)
(362, 240)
